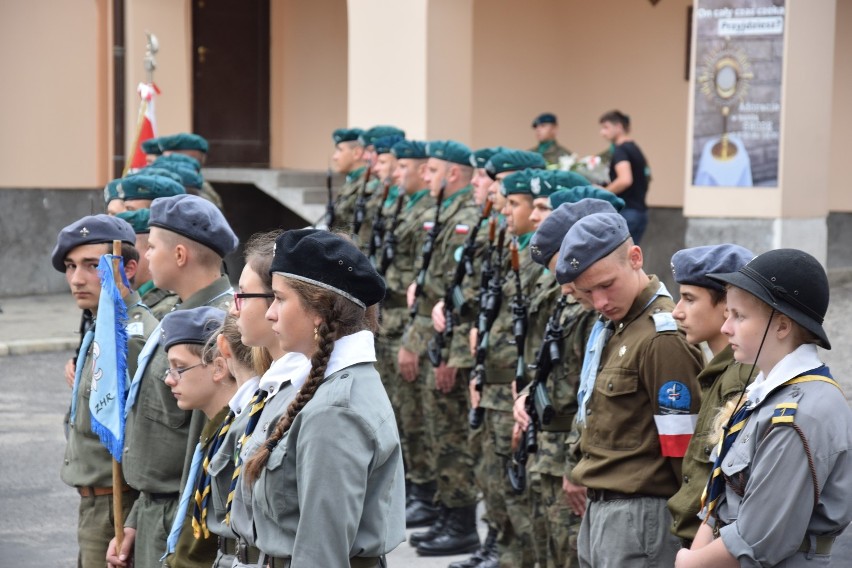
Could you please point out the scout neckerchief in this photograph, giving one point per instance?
(202, 488)
(256, 404)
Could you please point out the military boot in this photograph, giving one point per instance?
(486, 552)
(458, 537)
(437, 528)
(420, 511)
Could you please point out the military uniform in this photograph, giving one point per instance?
(722, 379)
(344, 204)
(88, 464)
(158, 300)
(207, 192)
(551, 151)
(647, 376)
(160, 440)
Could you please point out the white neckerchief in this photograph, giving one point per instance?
(803, 359)
(243, 395)
(291, 367)
(360, 347)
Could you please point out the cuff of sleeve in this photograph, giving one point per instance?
(737, 547)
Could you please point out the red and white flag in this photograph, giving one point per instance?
(146, 125)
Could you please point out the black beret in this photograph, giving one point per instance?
(590, 239)
(194, 326)
(195, 218)
(90, 230)
(329, 261)
(691, 266)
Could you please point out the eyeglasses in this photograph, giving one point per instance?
(239, 296)
(177, 374)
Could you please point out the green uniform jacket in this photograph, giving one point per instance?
(640, 363)
(160, 301)
(191, 552)
(87, 462)
(344, 205)
(551, 152)
(720, 380)
(158, 439)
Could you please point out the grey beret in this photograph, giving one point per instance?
(93, 229)
(195, 326)
(691, 266)
(590, 239)
(551, 232)
(195, 218)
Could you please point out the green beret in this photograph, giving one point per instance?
(412, 149)
(480, 157)
(138, 219)
(384, 144)
(369, 137)
(149, 187)
(346, 135)
(450, 151)
(152, 146)
(541, 183)
(182, 141)
(113, 190)
(567, 180)
(181, 173)
(522, 183)
(576, 194)
(156, 171)
(180, 159)
(513, 160)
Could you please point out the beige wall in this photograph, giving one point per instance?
(308, 81)
(54, 109)
(840, 188)
(580, 59)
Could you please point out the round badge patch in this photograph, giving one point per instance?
(674, 398)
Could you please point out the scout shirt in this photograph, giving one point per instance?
(344, 205)
(87, 462)
(775, 513)
(722, 379)
(502, 358)
(333, 487)
(158, 300)
(157, 432)
(189, 551)
(402, 271)
(551, 151)
(647, 376)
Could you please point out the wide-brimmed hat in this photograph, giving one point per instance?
(790, 281)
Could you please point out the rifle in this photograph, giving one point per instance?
(389, 248)
(538, 405)
(490, 302)
(519, 318)
(329, 207)
(428, 249)
(453, 297)
(361, 203)
(378, 234)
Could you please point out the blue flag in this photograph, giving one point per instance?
(109, 361)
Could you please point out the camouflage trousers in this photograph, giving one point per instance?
(556, 526)
(508, 512)
(446, 417)
(415, 433)
(387, 348)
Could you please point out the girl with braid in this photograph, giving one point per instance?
(327, 484)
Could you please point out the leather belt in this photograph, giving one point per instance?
(607, 495)
(228, 546)
(163, 496)
(354, 562)
(823, 544)
(99, 491)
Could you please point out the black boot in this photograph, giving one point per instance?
(437, 528)
(485, 552)
(420, 511)
(458, 537)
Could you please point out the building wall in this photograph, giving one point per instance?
(840, 196)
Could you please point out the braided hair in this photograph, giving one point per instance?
(339, 317)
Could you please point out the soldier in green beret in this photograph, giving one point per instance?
(114, 197)
(502, 164)
(349, 160)
(141, 190)
(189, 145)
(384, 163)
(546, 128)
(368, 139)
(481, 182)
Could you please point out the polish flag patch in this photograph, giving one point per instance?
(462, 229)
(428, 225)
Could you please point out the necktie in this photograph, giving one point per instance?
(174, 534)
(144, 356)
(256, 403)
(601, 332)
(78, 371)
(202, 488)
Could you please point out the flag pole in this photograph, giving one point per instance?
(117, 478)
(151, 48)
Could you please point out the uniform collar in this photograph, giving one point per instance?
(524, 240)
(644, 299)
(803, 359)
(218, 288)
(145, 288)
(545, 146)
(291, 367)
(212, 426)
(243, 395)
(452, 198)
(355, 174)
(721, 361)
(350, 350)
(415, 197)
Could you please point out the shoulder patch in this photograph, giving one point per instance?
(135, 328)
(785, 413)
(664, 321)
(674, 398)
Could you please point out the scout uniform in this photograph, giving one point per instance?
(184, 549)
(159, 301)
(344, 203)
(722, 379)
(417, 445)
(455, 531)
(780, 442)
(550, 150)
(160, 437)
(332, 492)
(645, 382)
(88, 464)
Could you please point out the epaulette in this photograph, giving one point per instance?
(785, 413)
(664, 321)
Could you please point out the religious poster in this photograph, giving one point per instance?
(739, 50)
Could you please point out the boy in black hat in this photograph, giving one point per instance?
(781, 489)
(88, 464)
